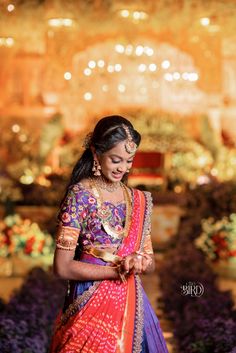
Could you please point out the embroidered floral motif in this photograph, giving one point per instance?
(104, 212)
(80, 211)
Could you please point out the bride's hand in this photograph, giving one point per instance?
(133, 263)
(137, 263)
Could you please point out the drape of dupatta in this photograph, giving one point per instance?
(108, 317)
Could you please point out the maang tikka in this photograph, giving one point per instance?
(130, 145)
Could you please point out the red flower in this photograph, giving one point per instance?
(84, 214)
(66, 217)
(29, 245)
(41, 245)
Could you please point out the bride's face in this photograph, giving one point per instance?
(116, 162)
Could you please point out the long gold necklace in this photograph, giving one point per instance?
(105, 213)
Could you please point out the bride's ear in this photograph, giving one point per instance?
(93, 151)
(95, 157)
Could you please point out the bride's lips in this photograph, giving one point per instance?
(117, 175)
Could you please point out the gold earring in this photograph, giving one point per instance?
(96, 168)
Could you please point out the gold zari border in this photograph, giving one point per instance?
(67, 237)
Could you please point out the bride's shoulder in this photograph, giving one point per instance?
(83, 186)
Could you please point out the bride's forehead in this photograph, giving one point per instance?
(119, 147)
(119, 150)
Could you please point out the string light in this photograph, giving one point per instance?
(124, 13)
(10, 7)
(168, 77)
(148, 51)
(67, 76)
(110, 68)
(60, 22)
(139, 15)
(6, 42)
(119, 48)
(134, 15)
(129, 49)
(185, 76)
(23, 138)
(139, 50)
(91, 64)
(205, 21)
(88, 96)
(121, 88)
(118, 67)
(87, 71)
(105, 88)
(165, 64)
(142, 68)
(176, 75)
(101, 63)
(193, 76)
(152, 67)
(15, 128)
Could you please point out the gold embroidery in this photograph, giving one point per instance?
(67, 237)
(79, 301)
(139, 320)
(147, 247)
(146, 237)
(104, 255)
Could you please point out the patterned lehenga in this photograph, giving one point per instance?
(106, 316)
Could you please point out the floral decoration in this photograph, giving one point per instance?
(24, 237)
(207, 323)
(218, 238)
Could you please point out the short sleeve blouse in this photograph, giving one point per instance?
(78, 216)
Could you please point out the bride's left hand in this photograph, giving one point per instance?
(136, 263)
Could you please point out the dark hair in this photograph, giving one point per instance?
(107, 133)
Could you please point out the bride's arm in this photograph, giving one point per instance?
(67, 268)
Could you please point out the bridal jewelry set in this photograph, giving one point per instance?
(105, 212)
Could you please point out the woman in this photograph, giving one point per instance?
(103, 244)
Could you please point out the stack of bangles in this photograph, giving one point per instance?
(123, 273)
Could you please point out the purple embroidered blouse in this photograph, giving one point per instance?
(79, 211)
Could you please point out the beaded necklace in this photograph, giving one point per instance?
(103, 184)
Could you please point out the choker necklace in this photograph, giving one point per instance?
(104, 185)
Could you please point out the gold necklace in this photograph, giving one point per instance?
(110, 187)
(105, 213)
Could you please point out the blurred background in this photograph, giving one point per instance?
(169, 67)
